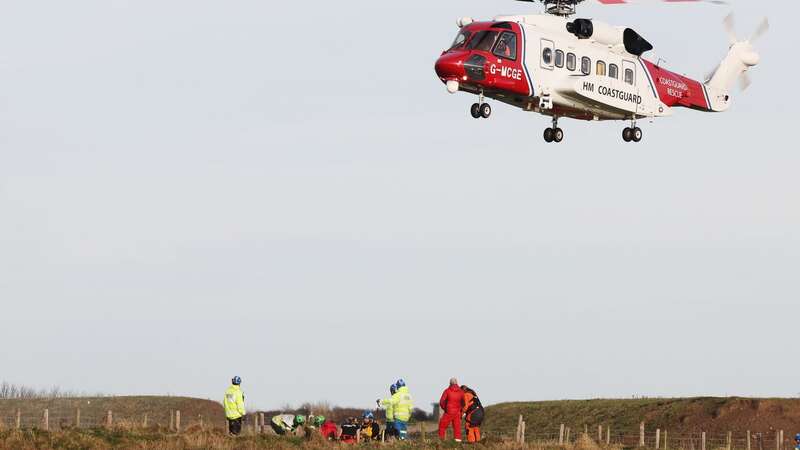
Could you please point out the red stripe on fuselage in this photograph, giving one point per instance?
(677, 90)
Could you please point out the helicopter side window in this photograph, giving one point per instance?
(571, 61)
(507, 46)
(600, 70)
(613, 71)
(547, 56)
(559, 58)
(483, 40)
(629, 76)
(460, 40)
(586, 65)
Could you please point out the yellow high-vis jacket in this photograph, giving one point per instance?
(389, 406)
(233, 402)
(403, 405)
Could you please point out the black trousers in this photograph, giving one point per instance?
(235, 426)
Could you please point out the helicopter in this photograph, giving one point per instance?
(584, 69)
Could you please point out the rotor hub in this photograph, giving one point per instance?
(564, 8)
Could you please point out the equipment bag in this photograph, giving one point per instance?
(475, 413)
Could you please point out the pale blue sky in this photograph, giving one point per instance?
(195, 189)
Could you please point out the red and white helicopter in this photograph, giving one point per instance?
(582, 69)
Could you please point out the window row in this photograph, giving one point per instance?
(570, 61)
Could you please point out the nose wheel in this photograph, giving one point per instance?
(553, 134)
(481, 109)
(632, 133)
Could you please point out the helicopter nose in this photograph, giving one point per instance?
(450, 67)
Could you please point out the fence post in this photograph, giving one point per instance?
(519, 429)
(665, 440)
(608, 435)
(422, 431)
(19, 419)
(109, 419)
(703, 442)
(599, 434)
(178, 421)
(781, 439)
(46, 420)
(641, 435)
(78, 418)
(569, 430)
(522, 441)
(729, 440)
(778, 440)
(144, 422)
(748, 439)
(561, 435)
(171, 420)
(658, 438)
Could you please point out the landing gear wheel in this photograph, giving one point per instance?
(549, 135)
(627, 134)
(558, 135)
(485, 110)
(637, 134)
(475, 110)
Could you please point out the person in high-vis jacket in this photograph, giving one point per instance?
(387, 404)
(234, 406)
(283, 424)
(403, 406)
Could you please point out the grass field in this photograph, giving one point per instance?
(687, 415)
(196, 438)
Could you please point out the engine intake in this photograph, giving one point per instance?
(581, 28)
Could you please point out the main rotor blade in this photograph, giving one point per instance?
(729, 29)
(617, 2)
(763, 27)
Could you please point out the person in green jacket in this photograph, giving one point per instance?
(403, 406)
(234, 406)
(387, 404)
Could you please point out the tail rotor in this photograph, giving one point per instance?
(741, 57)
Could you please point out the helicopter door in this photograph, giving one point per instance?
(547, 54)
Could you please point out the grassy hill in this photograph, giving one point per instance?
(710, 414)
(93, 410)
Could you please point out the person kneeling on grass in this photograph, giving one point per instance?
(349, 431)
(328, 429)
(369, 428)
(284, 424)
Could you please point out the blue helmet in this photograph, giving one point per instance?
(236, 380)
(400, 383)
(393, 388)
(797, 438)
(368, 415)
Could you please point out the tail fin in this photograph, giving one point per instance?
(740, 58)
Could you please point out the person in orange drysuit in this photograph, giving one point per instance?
(473, 414)
(452, 402)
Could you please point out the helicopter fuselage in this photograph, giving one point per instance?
(533, 62)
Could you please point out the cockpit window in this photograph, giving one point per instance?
(461, 39)
(483, 40)
(506, 46)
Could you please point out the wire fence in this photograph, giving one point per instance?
(58, 419)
